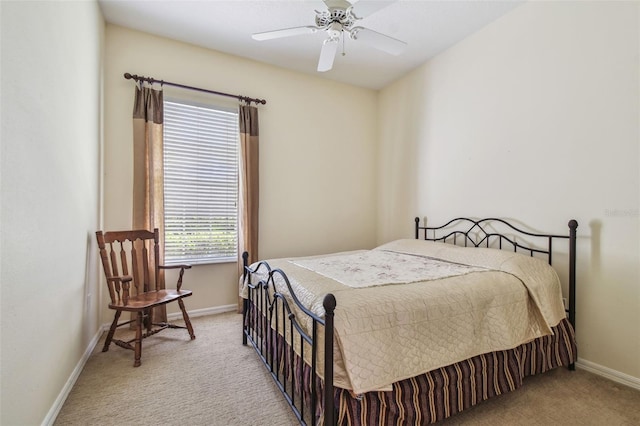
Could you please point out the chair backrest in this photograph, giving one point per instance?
(133, 253)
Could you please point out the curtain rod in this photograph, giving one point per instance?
(152, 80)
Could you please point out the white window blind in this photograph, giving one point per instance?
(200, 183)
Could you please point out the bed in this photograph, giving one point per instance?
(414, 330)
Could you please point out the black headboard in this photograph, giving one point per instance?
(482, 233)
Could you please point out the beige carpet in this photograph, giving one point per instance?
(214, 380)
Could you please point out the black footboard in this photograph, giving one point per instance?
(273, 329)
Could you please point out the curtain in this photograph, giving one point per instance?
(248, 192)
(148, 176)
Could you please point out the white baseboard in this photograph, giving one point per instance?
(202, 312)
(192, 314)
(608, 373)
(50, 418)
(64, 393)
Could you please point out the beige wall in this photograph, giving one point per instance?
(535, 117)
(317, 151)
(51, 135)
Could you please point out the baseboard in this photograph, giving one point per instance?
(192, 314)
(202, 312)
(608, 373)
(50, 418)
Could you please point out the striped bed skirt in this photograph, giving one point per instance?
(441, 393)
(433, 396)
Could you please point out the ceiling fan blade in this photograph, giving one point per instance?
(379, 41)
(286, 32)
(327, 54)
(363, 8)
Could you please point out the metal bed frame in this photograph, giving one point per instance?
(267, 307)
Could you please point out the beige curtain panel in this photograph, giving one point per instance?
(148, 176)
(248, 193)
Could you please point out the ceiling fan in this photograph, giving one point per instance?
(338, 21)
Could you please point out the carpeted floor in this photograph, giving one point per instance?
(214, 380)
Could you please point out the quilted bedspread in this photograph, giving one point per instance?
(404, 323)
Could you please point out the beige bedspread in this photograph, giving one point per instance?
(389, 332)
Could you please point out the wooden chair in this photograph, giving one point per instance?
(140, 248)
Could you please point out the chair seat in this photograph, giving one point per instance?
(150, 299)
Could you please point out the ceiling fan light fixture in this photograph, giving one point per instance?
(339, 18)
(335, 30)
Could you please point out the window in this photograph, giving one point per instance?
(200, 183)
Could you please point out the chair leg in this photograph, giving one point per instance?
(112, 330)
(138, 346)
(148, 320)
(185, 316)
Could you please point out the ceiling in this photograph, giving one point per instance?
(428, 26)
